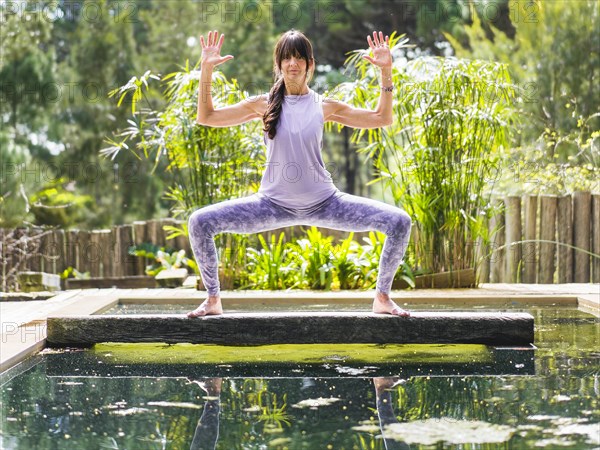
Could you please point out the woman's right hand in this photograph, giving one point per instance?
(211, 50)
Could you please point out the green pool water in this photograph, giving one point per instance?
(313, 397)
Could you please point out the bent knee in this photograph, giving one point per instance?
(401, 224)
(200, 222)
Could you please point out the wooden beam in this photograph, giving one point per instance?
(489, 328)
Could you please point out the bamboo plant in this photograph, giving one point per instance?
(440, 157)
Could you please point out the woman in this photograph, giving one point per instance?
(296, 189)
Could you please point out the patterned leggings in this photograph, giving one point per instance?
(257, 213)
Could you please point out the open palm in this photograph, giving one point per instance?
(211, 49)
(382, 57)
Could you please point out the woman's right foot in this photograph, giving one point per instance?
(212, 386)
(209, 307)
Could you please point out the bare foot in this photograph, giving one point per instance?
(212, 386)
(384, 383)
(209, 307)
(383, 304)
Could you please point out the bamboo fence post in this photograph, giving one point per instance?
(34, 262)
(118, 267)
(45, 243)
(125, 240)
(95, 253)
(596, 237)
(139, 236)
(154, 232)
(59, 238)
(565, 236)
(513, 235)
(14, 256)
(50, 251)
(547, 233)
(83, 249)
(105, 253)
(582, 208)
(118, 257)
(530, 260)
(71, 241)
(497, 259)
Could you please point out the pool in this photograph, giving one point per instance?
(155, 396)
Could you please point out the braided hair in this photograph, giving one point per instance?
(291, 43)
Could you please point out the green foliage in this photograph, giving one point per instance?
(57, 205)
(232, 253)
(163, 258)
(348, 261)
(13, 204)
(208, 164)
(71, 272)
(26, 66)
(554, 164)
(437, 159)
(314, 256)
(313, 262)
(553, 59)
(271, 267)
(369, 257)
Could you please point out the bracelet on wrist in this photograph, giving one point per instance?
(387, 88)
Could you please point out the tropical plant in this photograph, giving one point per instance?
(369, 256)
(233, 259)
(207, 164)
(162, 258)
(313, 256)
(270, 267)
(441, 153)
(347, 262)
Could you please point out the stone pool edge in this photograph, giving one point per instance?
(24, 330)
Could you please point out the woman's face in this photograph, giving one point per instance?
(294, 70)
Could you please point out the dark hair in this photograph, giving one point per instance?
(291, 43)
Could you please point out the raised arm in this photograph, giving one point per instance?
(336, 111)
(243, 111)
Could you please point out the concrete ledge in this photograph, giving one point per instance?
(24, 323)
(490, 328)
(19, 342)
(591, 301)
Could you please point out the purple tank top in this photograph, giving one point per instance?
(295, 175)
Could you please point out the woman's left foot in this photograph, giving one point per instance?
(383, 304)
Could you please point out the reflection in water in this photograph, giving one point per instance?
(91, 400)
(207, 430)
(386, 412)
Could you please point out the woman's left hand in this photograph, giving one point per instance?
(382, 57)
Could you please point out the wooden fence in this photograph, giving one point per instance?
(102, 253)
(550, 227)
(544, 239)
